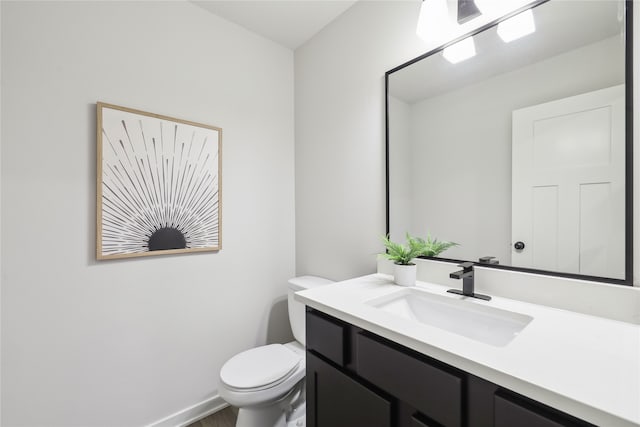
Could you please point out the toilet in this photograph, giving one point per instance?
(267, 383)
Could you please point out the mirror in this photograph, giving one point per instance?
(522, 152)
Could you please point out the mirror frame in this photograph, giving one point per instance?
(628, 71)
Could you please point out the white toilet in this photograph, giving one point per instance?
(267, 383)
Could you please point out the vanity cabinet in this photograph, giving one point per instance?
(356, 379)
(336, 395)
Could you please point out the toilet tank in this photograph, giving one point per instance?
(296, 309)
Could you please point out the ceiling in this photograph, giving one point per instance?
(287, 22)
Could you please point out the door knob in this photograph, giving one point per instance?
(518, 246)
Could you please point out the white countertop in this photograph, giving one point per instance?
(583, 365)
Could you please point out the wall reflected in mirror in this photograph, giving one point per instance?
(519, 151)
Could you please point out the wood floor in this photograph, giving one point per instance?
(225, 418)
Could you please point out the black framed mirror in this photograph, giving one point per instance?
(523, 152)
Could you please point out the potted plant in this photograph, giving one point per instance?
(433, 247)
(404, 270)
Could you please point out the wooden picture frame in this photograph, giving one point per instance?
(158, 184)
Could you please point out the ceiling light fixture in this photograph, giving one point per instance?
(460, 51)
(517, 26)
(437, 22)
(493, 7)
(434, 24)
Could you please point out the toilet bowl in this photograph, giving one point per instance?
(266, 383)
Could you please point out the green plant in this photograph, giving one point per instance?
(401, 254)
(433, 247)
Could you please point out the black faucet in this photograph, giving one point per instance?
(466, 274)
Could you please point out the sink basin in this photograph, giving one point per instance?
(473, 320)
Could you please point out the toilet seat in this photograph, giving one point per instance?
(260, 368)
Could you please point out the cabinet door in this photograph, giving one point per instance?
(336, 400)
(479, 402)
(433, 391)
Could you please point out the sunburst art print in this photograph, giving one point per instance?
(158, 188)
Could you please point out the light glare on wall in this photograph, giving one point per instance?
(460, 51)
(517, 26)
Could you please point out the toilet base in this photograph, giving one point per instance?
(299, 422)
(288, 411)
(298, 417)
(268, 416)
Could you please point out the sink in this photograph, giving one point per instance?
(474, 320)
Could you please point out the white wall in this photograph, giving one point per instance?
(340, 172)
(129, 342)
(340, 189)
(401, 188)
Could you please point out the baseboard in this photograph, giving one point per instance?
(192, 413)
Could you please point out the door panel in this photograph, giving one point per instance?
(568, 198)
(545, 217)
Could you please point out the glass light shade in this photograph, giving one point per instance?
(460, 51)
(517, 26)
(434, 24)
(493, 7)
(497, 8)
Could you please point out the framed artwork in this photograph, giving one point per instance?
(158, 186)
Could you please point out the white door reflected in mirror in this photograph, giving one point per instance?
(568, 184)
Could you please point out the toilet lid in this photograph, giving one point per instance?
(259, 366)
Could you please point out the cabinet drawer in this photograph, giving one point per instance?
(431, 390)
(510, 411)
(335, 399)
(326, 336)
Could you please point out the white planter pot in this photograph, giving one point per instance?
(405, 275)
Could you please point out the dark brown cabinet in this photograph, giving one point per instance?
(429, 389)
(356, 378)
(334, 395)
(512, 410)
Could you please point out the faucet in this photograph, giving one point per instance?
(466, 274)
